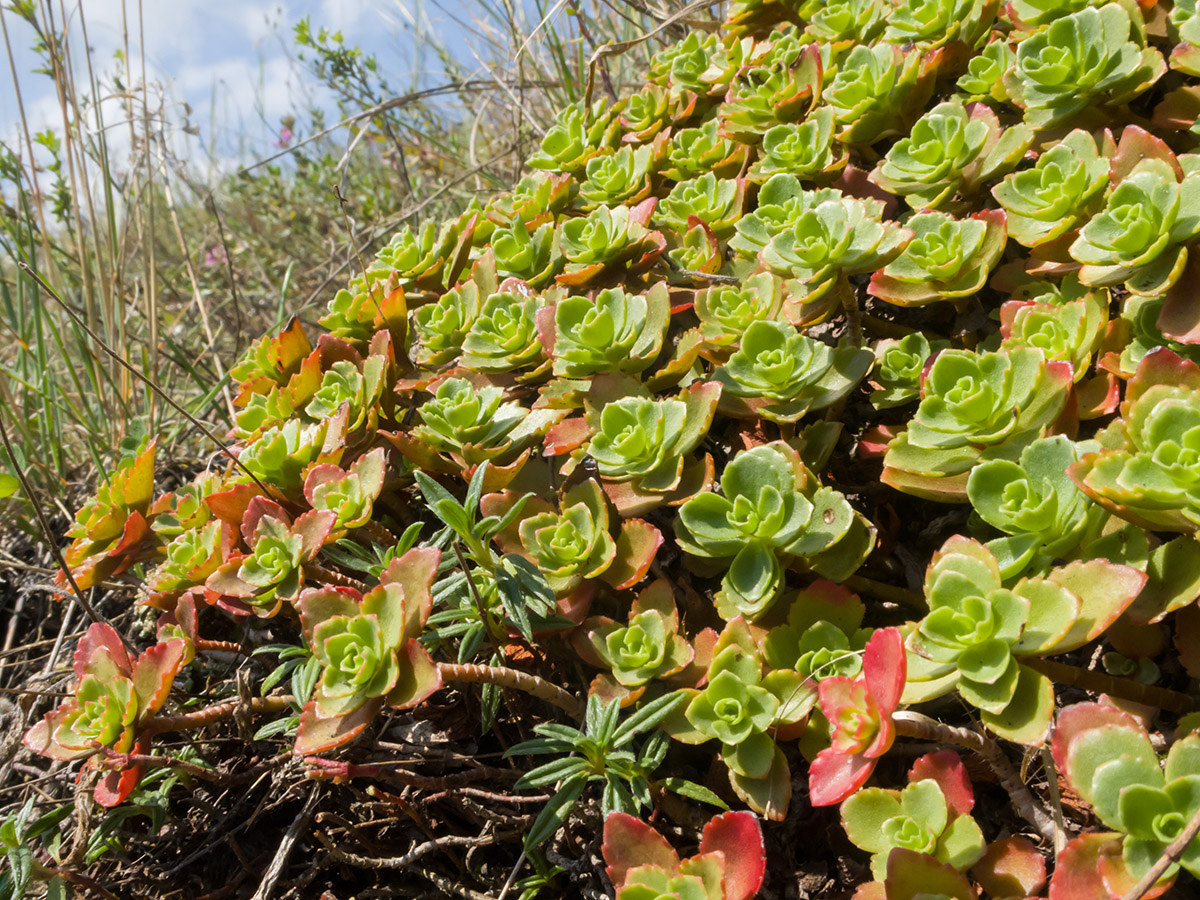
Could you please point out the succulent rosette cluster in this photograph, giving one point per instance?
(726, 358)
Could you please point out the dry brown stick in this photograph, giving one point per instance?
(502, 676)
(275, 869)
(1103, 683)
(923, 728)
(399, 862)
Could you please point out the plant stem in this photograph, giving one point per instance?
(220, 647)
(212, 714)
(1103, 683)
(915, 725)
(318, 572)
(378, 533)
(511, 678)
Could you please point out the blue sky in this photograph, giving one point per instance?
(231, 61)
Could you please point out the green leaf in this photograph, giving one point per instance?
(648, 716)
(693, 791)
(554, 813)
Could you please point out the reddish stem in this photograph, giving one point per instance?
(511, 678)
(210, 715)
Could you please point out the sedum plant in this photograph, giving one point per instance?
(859, 712)
(1107, 757)
(770, 505)
(349, 494)
(648, 647)
(806, 150)
(899, 365)
(947, 259)
(729, 864)
(876, 91)
(978, 632)
(608, 240)
(613, 332)
(967, 415)
(697, 151)
(951, 150)
(1140, 238)
(1062, 191)
(829, 241)
(1034, 502)
(984, 77)
(258, 582)
(1093, 57)
(620, 177)
(113, 700)
(716, 202)
(727, 311)
(1145, 470)
(931, 815)
(780, 374)
(929, 24)
(577, 136)
(367, 648)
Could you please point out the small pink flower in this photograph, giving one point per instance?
(216, 256)
(285, 138)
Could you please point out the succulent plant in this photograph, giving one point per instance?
(635, 438)
(612, 332)
(729, 864)
(859, 712)
(272, 572)
(830, 240)
(648, 647)
(109, 529)
(770, 505)
(1107, 758)
(356, 387)
(780, 374)
(899, 364)
(976, 632)
(535, 200)
(281, 456)
(577, 136)
(1140, 238)
(923, 817)
(428, 260)
(946, 259)
(876, 91)
(531, 257)
(368, 650)
(767, 95)
(1066, 326)
(726, 311)
(443, 325)
(984, 78)
(504, 336)
(620, 177)
(349, 494)
(805, 150)
(608, 240)
(928, 24)
(950, 150)
(646, 115)
(1146, 471)
(578, 541)
(1037, 506)
(697, 151)
(966, 415)
(849, 22)
(823, 636)
(110, 704)
(781, 201)
(1093, 57)
(1060, 192)
(716, 202)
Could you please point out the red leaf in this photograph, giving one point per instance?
(833, 776)
(947, 769)
(101, 637)
(1081, 717)
(885, 667)
(1011, 867)
(739, 836)
(630, 842)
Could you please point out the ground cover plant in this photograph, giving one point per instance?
(802, 451)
